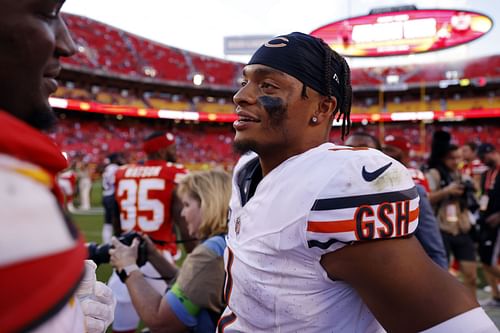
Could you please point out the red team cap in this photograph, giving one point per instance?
(158, 142)
(398, 142)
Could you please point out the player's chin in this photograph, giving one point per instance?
(243, 145)
(42, 116)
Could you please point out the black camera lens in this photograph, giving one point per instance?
(100, 253)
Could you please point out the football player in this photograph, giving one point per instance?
(147, 203)
(320, 236)
(41, 252)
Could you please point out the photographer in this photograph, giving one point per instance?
(489, 220)
(452, 199)
(193, 302)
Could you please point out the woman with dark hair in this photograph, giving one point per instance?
(448, 197)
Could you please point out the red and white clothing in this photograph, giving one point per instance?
(144, 195)
(41, 252)
(474, 168)
(311, 204)
(419, 178)
(66, 181)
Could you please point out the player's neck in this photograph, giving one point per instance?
(269, 160)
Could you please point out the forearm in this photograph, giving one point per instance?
(146, 300)
(438, 195)
(167, 270)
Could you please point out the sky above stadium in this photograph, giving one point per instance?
(200, 25)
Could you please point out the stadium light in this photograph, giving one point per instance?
(198, 79)
(464, 82)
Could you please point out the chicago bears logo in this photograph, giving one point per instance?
(277, 42)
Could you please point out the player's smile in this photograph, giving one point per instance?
(244, 120)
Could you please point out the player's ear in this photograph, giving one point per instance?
(324, 111)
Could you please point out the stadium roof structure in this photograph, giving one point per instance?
(108, 53)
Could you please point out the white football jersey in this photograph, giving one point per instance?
(311, 204)
(108, 179)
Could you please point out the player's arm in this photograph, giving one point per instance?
(180, 223)
(402, 287)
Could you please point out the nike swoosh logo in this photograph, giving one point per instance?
(371, 176)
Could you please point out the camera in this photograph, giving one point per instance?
(99, 253)
(468, 199)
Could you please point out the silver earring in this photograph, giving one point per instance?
(314, 119)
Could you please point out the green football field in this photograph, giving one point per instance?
(90, 225)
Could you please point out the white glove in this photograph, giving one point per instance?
(97, 301)
(86, 287)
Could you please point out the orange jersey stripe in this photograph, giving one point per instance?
(344, 225)
(349, 148)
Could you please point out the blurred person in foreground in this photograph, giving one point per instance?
(45, 286)
(193, 302)
(489, 218)
(145, 195)
(320, 235)
(448, 197)
(427, 231)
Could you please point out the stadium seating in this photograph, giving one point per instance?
(203, 146)
(109, 50)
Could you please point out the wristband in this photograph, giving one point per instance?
(126, 271)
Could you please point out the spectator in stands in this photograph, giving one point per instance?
(428, 230)
(489, 220)
(453, 215)
(111, 223)
(147, 203)
(41, 252)
(193, 302)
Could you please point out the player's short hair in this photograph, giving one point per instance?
(213, 190)
(311, 61)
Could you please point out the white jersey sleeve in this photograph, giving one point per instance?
(371, 197)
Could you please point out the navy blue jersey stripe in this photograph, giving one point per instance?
(360, 200)
(323, 245)
(225, 322)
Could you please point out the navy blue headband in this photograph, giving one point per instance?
(303, 57)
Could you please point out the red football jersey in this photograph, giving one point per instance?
(474, 168)
(419, 178)
(144, 195)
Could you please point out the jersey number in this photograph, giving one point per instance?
(136, 199)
